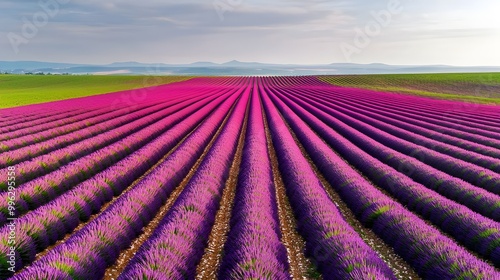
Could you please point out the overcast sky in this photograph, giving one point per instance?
(453, 32)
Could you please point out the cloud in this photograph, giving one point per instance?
(293, 31)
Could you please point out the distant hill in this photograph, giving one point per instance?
(233, 67)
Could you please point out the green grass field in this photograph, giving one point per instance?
(18, 90)
(469, 87)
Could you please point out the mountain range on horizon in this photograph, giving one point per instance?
(233, 67)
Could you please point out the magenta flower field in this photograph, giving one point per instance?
(250, 178)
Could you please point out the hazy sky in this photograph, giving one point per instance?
(454, 32)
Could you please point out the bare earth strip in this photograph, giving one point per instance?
(401, 269)
(210, 262)
(109, 203)
(126, 255)
(300, 266)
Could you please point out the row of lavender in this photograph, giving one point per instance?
(401, 172)
(426, 249)
(380, 156)
(71, 203)
(55, 177)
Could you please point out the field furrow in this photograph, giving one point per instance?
(478, 199)
(433, 133)
(183, 233)
(285, 177)
(451, 217)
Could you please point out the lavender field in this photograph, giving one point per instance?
(250, 178)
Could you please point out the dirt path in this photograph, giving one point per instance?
(401, 269)
(126, 255)
(210, 262)
(300, 266)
